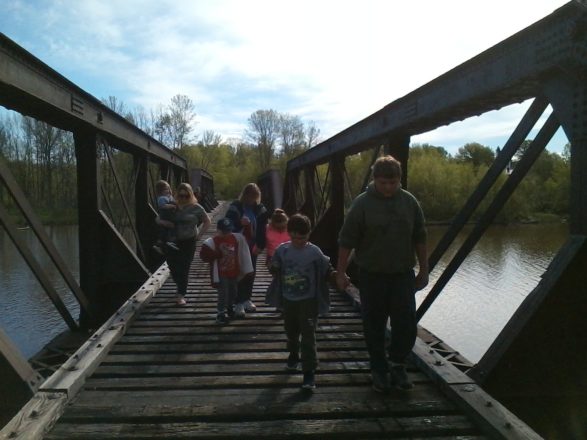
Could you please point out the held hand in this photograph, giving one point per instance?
(421, 280)
(245, 221)
(342, 280)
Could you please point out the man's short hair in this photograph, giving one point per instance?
(388, 167)
(300, 224)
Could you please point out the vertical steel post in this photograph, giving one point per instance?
(88, 195)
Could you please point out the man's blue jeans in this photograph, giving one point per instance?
(386, 296)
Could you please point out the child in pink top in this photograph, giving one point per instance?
(276, 233)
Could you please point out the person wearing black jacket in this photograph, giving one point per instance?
(249, 217)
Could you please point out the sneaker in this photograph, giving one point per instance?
(172, 245)
(249, 306)
(221, 319)
(158, 249)
(380, 381)
(400, 379)
(293, 362)
(230, 313)
(181, 301)
(308, 382)
(239, 310)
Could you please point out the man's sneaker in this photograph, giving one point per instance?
(158, 249)
(380, 381)
(181, 301)
(293, 361)
(400, 379)
(239, 310)
(221, 319)
(172, 245)
(249, 306)
(308, 382)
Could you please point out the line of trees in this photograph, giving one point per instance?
(43, 161)
(443, 182)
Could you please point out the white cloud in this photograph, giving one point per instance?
(334, 62)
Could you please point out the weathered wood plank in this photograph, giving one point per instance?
(133, 370)
(495, 418)
(71, 375)
(227, 347)
(325, 428)
(168, 406)
(34, 420)
(234, 381)
(231, 337)
(222, 358)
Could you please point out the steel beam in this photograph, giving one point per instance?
(509, 72)
(30, 87)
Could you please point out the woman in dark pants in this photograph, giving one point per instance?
(188, 217)
(249, 217)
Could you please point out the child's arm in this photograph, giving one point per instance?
(275, 266)
(208, 254)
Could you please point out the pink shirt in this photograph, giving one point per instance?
(274, 239)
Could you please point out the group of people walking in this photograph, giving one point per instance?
(383, 234)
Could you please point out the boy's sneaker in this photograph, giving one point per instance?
(380, 381)
(221, 319)
(308, 382)
(172, 245)
(249, 306)
(400, 379)
(239, 310)
(293, 361)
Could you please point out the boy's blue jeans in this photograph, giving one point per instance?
(388, 296)
(300, 318)
(227, 288)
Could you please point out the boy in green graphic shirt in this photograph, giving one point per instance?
(301, 271)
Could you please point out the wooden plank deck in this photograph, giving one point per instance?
(177, 374)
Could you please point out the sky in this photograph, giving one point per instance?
(333, 62)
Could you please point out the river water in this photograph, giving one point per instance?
(475, 305)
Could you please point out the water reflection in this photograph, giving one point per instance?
(28, 317)
(490, 284)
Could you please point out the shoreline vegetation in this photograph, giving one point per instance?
(42, 160)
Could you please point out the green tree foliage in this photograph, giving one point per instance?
(263, 129)
(475, 154)
(441, 184)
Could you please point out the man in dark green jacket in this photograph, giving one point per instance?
(385, 227)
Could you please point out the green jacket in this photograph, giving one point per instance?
(384, 231)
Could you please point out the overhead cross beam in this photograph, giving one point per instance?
(508, 73)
